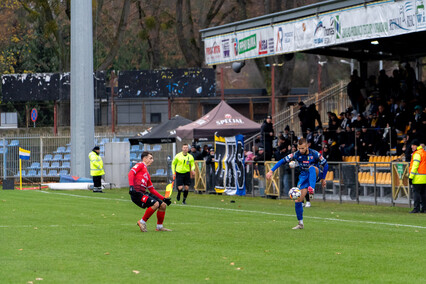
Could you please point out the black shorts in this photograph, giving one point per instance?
(144, 200)
(183, 179)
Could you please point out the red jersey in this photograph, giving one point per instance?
(140, 179)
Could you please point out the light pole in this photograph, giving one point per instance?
(273, 86)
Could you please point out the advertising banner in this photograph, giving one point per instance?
(373, 20)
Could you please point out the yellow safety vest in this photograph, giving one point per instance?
(418, 166)
(183, 164)
(96, 164)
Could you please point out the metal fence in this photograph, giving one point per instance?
(333, 99)
(376, 182)
(51, 157)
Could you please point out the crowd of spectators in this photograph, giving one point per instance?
(387, 113)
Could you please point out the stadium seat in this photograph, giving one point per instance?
(66, 165)
(47, 158)
(67, 157)
(23, 173)
(102, 148)
(68, 149)
(146, 147)
(60, 150)
(103, 141)
(116, 139)
(52, 173)
(134, 149)
(133, 156)
(44, 173)
(156, 148)
(54, 165)
(14, 143)
(3, 150)
(57, 157)
(64, 173)
(46, 165)
(34, 166)
(32, 173)
(3, 142)
(159, 172)
(125, 139)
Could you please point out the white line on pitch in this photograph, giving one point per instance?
(257, 212)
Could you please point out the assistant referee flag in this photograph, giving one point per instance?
(24, 154)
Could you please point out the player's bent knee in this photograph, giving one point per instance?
(163, 206)
(156, 205)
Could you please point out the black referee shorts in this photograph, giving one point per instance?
(183, 179)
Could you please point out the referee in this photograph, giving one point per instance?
(183, 167)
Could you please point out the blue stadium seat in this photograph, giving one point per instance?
(14, 143)
(44, 173)
(103, 141)
(125, 139)
(54, 165)
(67, 157)
(23, 173)
(66, 165)
(68, 149)
(32, 173)
(64, 173)
(133, 156)
(156, 148)
(134, 149)
(34, 166)
(146, 147)
(102, 148)
(3, 142)
(47, 157)
(116, 139)
(52, 173)
(159, 172)
(57, 157)
(46, 165)
(60, 150)
(3, 150)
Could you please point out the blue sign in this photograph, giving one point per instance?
(33, 115)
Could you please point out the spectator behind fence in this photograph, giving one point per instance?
(303, 118)
(210, 170)
(267, 136)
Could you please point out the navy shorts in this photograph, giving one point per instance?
(144, 200)
(183, 179)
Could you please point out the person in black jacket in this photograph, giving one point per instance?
(210, 171)
(267, 135)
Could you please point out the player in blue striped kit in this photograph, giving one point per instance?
(313, 168)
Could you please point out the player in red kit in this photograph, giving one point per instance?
(140, 182)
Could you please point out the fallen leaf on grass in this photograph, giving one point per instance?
(338, 253)
(239, 268)
(232, 263)
(30, 282)
(20, 249)
(107, 253)
(207, 279)
(222, 200)
(38, 279)
(416, 231)
(35, 228)
(136, 272)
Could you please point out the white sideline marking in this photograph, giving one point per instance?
(257, 212)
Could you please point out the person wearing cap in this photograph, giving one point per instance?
(418, 176)
(267, 137)
(96, 169)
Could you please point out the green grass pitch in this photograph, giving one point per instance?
(82, 237)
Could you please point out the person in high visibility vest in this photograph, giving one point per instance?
(183, 166)
(96, 169)
(418, 176)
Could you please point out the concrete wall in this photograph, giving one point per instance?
(116, 163)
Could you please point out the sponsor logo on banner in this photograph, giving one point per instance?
(235, 46)
(420, 13)
(325, 31)
(213, 51)
(406, 19)
(203, 120)
(263, 46)
(228, 120)
(226, 47)
(246, 44)
(280, 40)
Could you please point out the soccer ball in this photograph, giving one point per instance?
(294, 193)
(292, 164)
